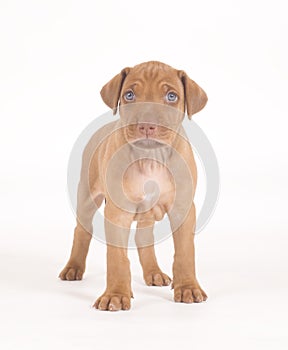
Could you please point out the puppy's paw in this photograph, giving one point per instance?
(189, 294)
(113, 302)
(72, 272)
(157, 278)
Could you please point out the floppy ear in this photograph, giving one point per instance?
(110, 92)
(195, 97)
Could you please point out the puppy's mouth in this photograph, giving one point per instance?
(148, 135)
(148, 143)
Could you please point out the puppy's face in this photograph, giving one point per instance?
(152, 98)
(152, 105)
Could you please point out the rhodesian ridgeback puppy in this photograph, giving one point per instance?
(142, 165)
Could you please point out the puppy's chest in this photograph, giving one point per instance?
(150, 186)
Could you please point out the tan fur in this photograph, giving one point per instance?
(150, 82)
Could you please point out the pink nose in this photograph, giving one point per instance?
(147, 129)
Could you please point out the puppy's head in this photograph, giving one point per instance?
(152, 98)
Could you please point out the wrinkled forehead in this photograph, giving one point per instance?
(149, 76)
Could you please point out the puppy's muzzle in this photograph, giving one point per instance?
(146, 129)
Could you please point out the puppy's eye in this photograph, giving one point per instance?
(171, 97)
(129, 96)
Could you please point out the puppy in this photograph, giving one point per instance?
(143, 166)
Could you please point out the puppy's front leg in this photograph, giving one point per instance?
(185, 284)
(118, 290)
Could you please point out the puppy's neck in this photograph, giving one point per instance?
(150, 156)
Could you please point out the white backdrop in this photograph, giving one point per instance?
(55, 57)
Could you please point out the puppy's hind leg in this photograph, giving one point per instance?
(144, 239)
(86, 209)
